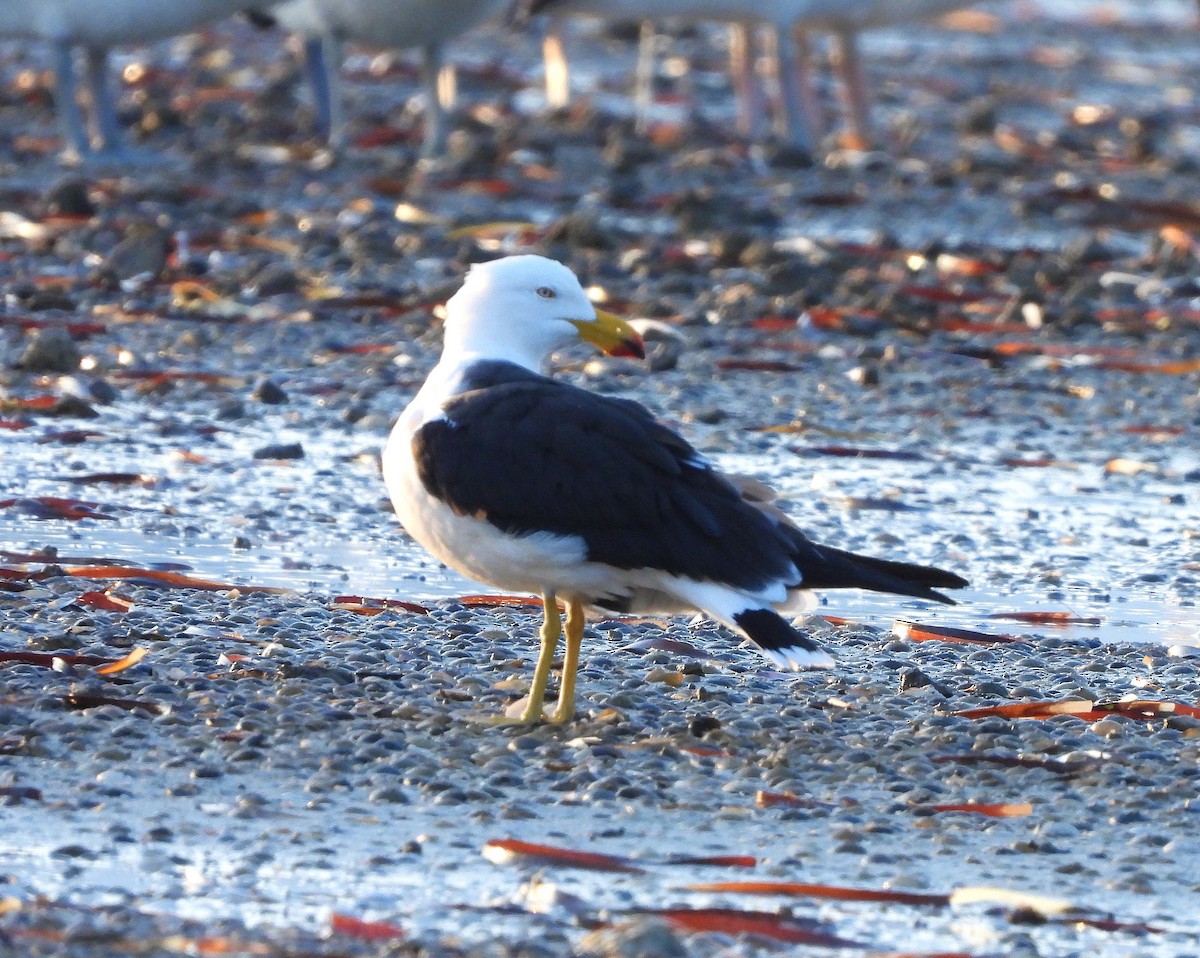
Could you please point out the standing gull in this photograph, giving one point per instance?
(796, 120)
(326, 24)
(535, 485)
(846, 20)
(787, 24)
(96, 26)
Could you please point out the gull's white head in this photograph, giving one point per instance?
(522, 308)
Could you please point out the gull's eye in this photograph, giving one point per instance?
(546, 292)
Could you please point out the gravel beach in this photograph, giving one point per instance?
(238, 706)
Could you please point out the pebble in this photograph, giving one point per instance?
(69, 196)
(140, 255)
(271, 394)
(50, 350)
(283, 450)
(639, 938)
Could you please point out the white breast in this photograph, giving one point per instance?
(470, 544)
(385, 23)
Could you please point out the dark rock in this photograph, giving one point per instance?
(916, 679)
(728, 246)
(275, 279)
(230, 409)
(285, 450)
(50, 350)
(69, 197)
(41, 300)
(103, 392)
(701, 725)
(709, 415)
(978, 117)
(142, 253)
(1088, 249)
(74, 851)
(269, 393)
(789, 277)
(579, 230)
(73, 407)
(788, 156)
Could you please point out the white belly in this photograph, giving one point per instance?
(109, 22)
(385, 23)
(542, 562)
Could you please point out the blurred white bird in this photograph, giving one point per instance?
(96, 26)
(325, 25)
(786, 23)
(795, 123)
(845, 20)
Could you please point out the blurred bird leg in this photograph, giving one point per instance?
(798, 122)
(643, 96)
(747, 91)
(558, 70)
(848, 62)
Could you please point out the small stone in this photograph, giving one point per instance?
(579, 230)
(866, 375)
(230, 409)
(709, 415)
(978, 117)
(640, 938)
(701, 725)
(389, 794)
(69, 197)
(141, 254)
(72, 407)
(282, 450)
(728, 246)
(1109, 728)
(275, 279)
(664, 344)
(269, 393)
(102, 391)
(1085, 250)
(916, 679)
(74, 851)
(50, 350)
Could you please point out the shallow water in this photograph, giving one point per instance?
(312, 545)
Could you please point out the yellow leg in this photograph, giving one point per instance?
(566, 690)
(551, 630)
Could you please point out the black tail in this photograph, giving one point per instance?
(825, 568)
(779, 642)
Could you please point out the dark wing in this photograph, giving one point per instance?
(532, 454)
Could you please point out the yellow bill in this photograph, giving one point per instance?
(612, 335)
